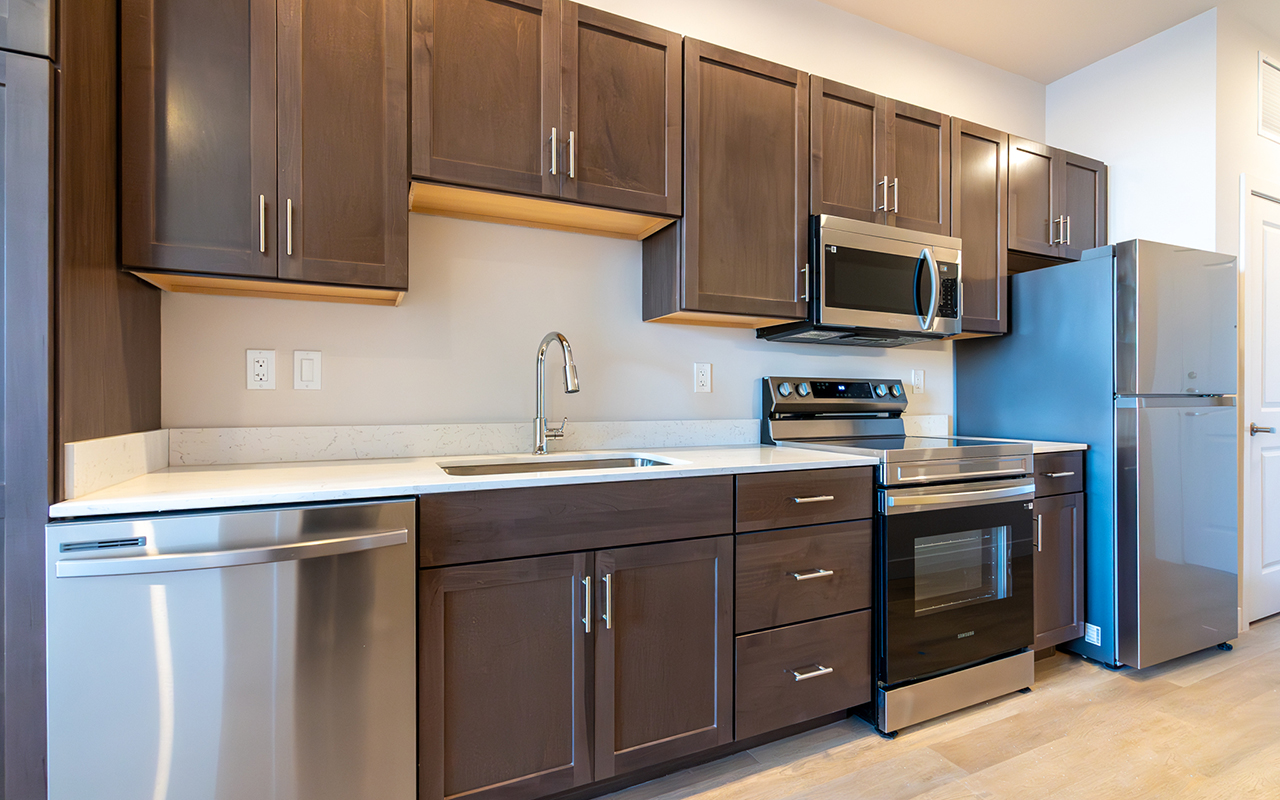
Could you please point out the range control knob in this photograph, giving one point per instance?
(881, 390)
(784, 389)
(803, 389)
(895, 390)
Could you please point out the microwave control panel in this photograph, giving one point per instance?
(948, 299)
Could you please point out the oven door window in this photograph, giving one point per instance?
(867, 280)
(954, 570)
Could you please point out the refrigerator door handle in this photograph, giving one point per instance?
(181, 562)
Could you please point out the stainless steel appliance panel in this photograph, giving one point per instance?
(917, 702)
(261, 655)
(1176, 526)
(1175, 320)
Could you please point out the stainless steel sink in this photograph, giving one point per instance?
(549, 464)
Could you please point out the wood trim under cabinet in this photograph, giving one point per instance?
(279, 290)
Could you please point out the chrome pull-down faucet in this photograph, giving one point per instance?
(541, 431)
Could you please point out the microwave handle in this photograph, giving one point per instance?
(927, 322)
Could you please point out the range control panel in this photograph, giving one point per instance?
(833, 396)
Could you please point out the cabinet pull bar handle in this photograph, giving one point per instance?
(1057, 474)
(804, 272)
(884, 194)
(817, 671)
(586, 604)
(1066, 239)
(553, 151)
(813, 573)
(819, 498)
(288, 227)
(895, 195)
(573, 157)
(608, 601)
(1039, 531)
(262, 223)
(1053, 231)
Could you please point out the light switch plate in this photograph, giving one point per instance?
(306, 369)
(260, 369)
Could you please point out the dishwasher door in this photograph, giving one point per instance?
(257, 655)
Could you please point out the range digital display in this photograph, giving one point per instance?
(844, 390)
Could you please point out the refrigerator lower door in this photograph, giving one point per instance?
(1175, 526)
(244, 656)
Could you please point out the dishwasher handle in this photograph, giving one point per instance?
(215, 559)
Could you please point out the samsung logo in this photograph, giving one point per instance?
(962, 635)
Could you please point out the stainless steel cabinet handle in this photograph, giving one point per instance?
(1039, 531)
(811, 574)
(553, 151)
(182, 562)
(1057, 474)
(586, 604)
(262, 223)
(818, 498)
(608, 601)
(895, 195)
(884, 194)
(1254, 430)
(817, 670)
(1066, 237)
(804, 282)
(288, 227)
(573, 159)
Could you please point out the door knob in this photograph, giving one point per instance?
(1254, 430)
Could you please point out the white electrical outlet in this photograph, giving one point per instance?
(260, 369)
(306, 369)
(917, 381)
(1092, 634)
(701, 377)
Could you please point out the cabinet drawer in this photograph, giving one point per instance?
(780, 577)
(1059, 473)
(772, 691)
(784, 499)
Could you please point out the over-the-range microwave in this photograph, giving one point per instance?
(877, 286)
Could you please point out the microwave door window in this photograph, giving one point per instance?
(863, 280)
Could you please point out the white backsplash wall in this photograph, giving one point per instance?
(462, 346)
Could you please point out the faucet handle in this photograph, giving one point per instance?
(557, 433)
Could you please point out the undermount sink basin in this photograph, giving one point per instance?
(518, 464)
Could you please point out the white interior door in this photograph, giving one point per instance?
(1260, 400)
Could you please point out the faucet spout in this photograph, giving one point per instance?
(541, 432)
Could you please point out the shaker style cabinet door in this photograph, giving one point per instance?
(502, 691)
(198, 136)
(847, 156)
(918, 163)
(1059, 569)
(979, 206)
(1033, 193)
(486, 93)
(26, 26)
(344, 179)
(621, 112)
(1082, 203)
(663, 652)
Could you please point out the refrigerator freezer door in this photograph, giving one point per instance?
(1175, 320)
(1175, 526)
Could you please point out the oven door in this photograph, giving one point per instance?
(955, 576)
(869, 281)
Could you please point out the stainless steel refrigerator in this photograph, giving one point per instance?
(1131, 350)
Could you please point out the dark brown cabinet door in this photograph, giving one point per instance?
(918, 163)
(746, 185)
(502, 691)
(846, 160)
(663, 652)
(979, 197)
(1059, 569)
(621, 113)
(198, 136)
(344, 186)
(1032, 198)
(1082, 203)
(486, 93)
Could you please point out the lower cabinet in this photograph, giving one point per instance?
(1059, 569)
(503, 692)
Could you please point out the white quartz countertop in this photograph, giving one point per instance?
(225, 486)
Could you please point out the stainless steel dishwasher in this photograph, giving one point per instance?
(256, 655)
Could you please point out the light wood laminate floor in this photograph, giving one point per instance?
(1203, 726)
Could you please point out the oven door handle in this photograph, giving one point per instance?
(907, 503)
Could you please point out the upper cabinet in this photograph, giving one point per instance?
(547, 98)
(26, 26)
(979, 197)
(256, 146)
(738, 257)
(1057, 201)
(917, 168)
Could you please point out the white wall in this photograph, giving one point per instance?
(1149, 112)
(462, 346)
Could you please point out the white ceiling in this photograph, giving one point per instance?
(1041, 39)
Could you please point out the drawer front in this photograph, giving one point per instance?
(769, 500)
(1059, 473)
(462, 527)
(799, 574)
(768, 695)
